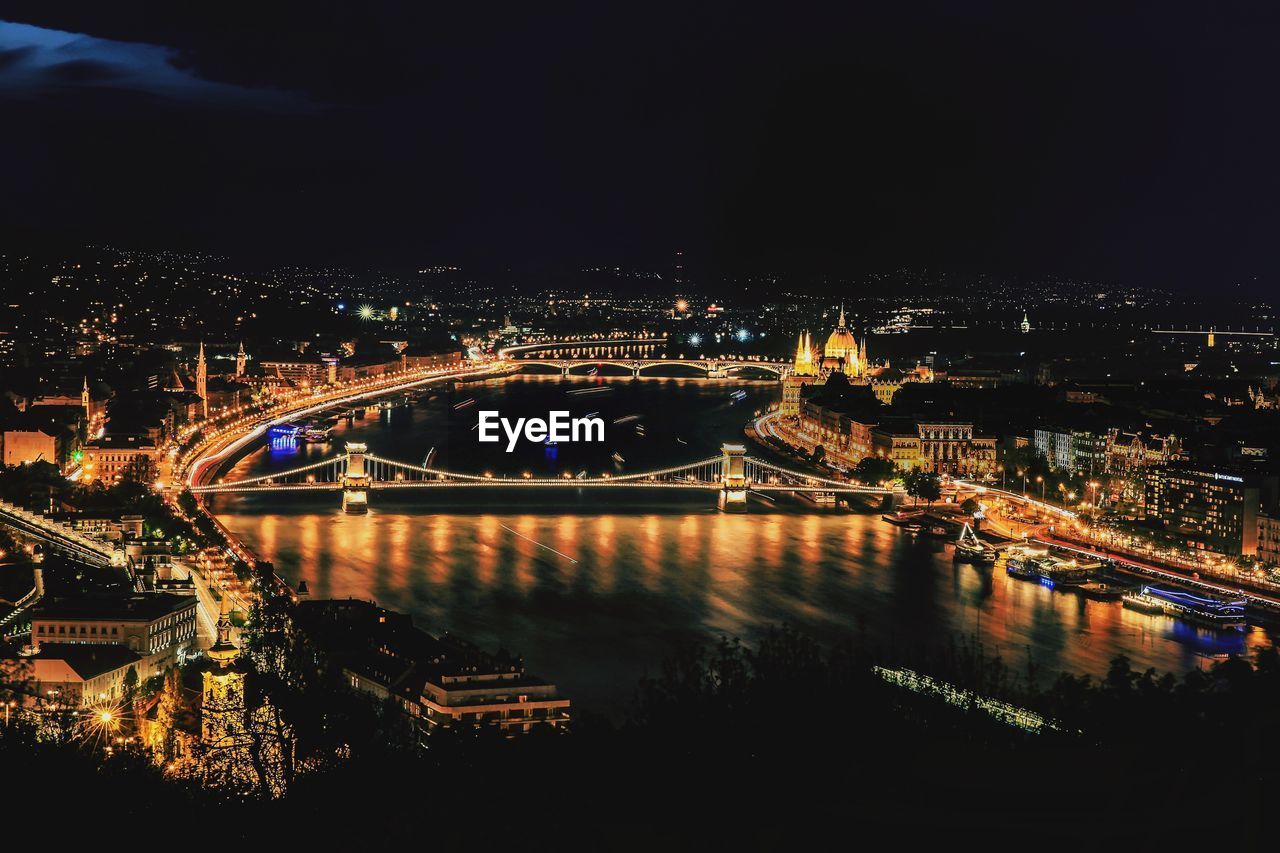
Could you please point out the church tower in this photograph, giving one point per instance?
(222, 709)
(240, 360)
(202, 382)
(240, 745)
(84, 398)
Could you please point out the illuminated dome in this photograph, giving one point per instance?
(841, 343)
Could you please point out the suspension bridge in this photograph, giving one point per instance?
(732, 474)
(713, 368)
(607, 354)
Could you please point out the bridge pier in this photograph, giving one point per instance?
(355, 480)
(564, 369)
(733, 476)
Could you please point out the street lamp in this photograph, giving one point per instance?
(1040, 480)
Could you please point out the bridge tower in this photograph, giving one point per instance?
(355, 480)
(733, 478)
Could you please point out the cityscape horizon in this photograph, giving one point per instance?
(691, 427)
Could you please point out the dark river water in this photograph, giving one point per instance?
(596, 587)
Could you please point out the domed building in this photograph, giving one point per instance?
(842, 352)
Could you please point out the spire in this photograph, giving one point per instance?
(804, 356)
(202, 382)
(240, 360)
(841, 324)
(224, 651)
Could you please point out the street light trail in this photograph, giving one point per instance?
(536, 542)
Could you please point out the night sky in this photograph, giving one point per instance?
(1133, 143)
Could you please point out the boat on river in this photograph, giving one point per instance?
(1045, 568)
(969, 548)
(1212, 611)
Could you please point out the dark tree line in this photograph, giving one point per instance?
(772, 744)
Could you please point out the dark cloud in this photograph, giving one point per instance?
(13, 56)
(83, 71)
(1127, 141)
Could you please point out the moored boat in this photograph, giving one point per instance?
(1201, 608)
(1048, 570)
(972, 549)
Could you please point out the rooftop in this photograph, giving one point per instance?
(88, 660)
(133, 607)
(386, 646)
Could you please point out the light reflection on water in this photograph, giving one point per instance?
(646, 582)
(656, 570)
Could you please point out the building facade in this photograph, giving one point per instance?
(71, 675)
(116, 457)
(159, 627)
(1213, 510)
(1269, 537)
(952, 448)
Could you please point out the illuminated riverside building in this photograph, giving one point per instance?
(843, 354)
(300, 369)
(942, 447)
(1213, 510)
(439, 681)
(1130, 455)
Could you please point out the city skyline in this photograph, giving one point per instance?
(600, 427)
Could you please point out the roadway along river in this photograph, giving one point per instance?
(596, 588)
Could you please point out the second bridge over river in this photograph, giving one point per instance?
(731, 475)
(632, 354)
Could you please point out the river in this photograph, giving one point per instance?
(594, 588)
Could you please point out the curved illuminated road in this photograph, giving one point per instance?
(198, 464)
